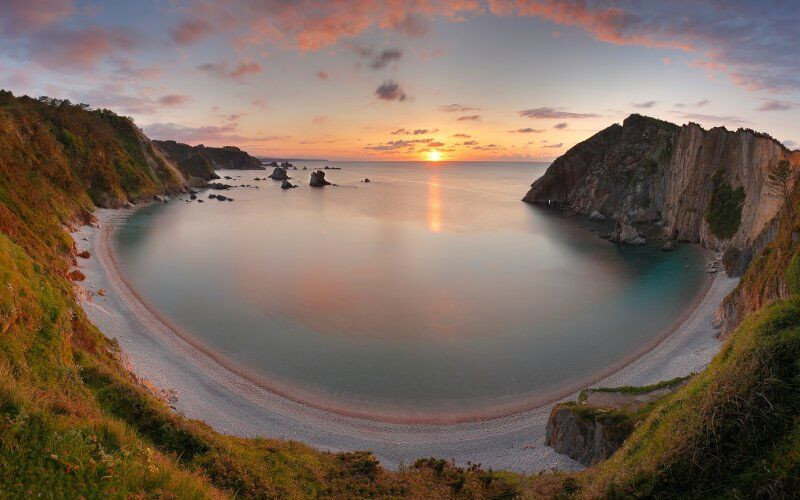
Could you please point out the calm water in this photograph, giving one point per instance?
(431, 291)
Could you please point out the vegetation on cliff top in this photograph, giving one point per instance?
(74, 422)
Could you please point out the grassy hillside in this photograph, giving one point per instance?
(74, 422)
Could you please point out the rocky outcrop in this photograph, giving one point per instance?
(594, 427)
(583, 436)
(654, 171)
(279, 174)
(626, 234)
(287, 185)
(318, 179)
(199, 158)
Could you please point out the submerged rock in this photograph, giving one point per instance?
(318, 179)
(669, 246)
(279, 174)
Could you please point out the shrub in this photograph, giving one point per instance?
(724, 212)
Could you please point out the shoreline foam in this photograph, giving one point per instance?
(231, 401)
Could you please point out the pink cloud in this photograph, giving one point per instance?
(19, 17)
(174, 100)
(79, 49)
(236, 72)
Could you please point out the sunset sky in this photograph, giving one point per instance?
(363, 79)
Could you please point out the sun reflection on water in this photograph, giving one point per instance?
(434, 204)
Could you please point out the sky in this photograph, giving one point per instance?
(520, 80)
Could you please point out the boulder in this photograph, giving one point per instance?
(669, 246)
(279, 174)
(367, 180)
(287, 185)
(193, 196)
(318, 179)
(625, 234)
(597, 216)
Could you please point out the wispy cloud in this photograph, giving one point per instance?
(237, 71)
(458, 108)
(777, 105)
(712, 119)
(561, 125)
(644, 105)
(527, 130)
(469, 118)
(553, 113)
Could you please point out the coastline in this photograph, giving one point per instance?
(231, 401)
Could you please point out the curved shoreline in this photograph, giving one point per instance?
(193, 357)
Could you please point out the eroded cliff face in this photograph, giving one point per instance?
(668, 176)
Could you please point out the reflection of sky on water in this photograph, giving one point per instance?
(417, 288)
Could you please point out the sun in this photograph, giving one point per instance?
(434, 155)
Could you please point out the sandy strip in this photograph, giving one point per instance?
(208, 391)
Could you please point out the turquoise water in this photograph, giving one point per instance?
(432, 291)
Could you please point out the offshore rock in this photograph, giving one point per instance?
(279, 174)
(597, 216)
(624, 233)
(318, 179)
(287, 185)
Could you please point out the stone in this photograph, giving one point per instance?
(625, 234)
(669, 246)
(279, 174)
(318, 179)
(597, 216)
(367, 180)
(287, 185)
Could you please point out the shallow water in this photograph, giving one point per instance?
(430, 292)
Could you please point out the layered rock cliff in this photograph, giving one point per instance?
(704, 186)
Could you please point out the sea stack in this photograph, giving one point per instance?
(279, 174)
(287, 185)
(318, 179)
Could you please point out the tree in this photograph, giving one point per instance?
(779, 178)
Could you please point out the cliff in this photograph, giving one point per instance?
(203, 160)
(696, 185)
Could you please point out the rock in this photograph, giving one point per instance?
(586, 438)
(649, 169)
(287, 185)
(318, 179)
(101, 292)
(279, 174)
(366, 180)
(76, 275)
(85, 254)
(160, 199)
(305, 168)
(201, 201)
(594, 427)
(735, 261)
(286, 165)
(327, 167)
(193, 196)
(597, 216)
(669, 246)
(625, 234)
(219, 186)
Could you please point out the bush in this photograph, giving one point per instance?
(724, 212)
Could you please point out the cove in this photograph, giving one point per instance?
(430, 293)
